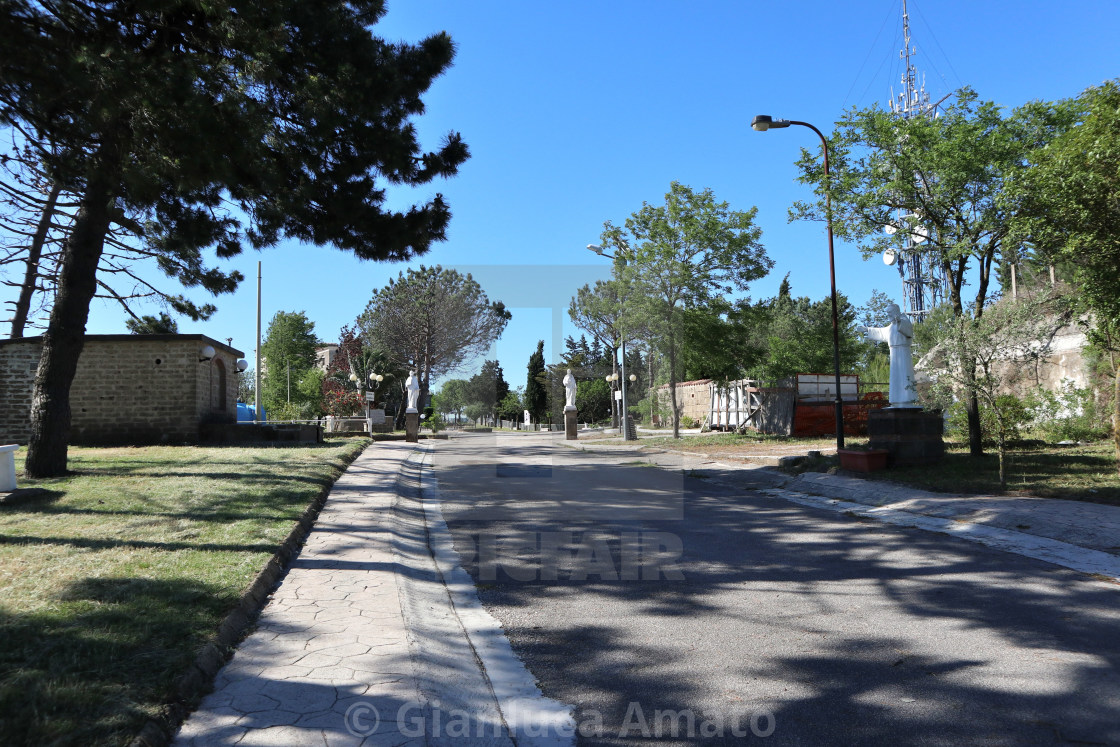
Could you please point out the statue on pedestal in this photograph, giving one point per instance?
(527, 418)
(412, 384)
(898, 336)
(569, 391)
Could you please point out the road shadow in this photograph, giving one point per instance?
(839, 630)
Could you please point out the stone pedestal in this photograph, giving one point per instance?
(910, 435)
(412, 427)
(570, 424)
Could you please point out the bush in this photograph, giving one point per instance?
(436, 423)
(1069, 414)
(285, 411)
(687, 422)
(1015, 417)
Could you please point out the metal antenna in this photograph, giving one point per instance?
(922, 276)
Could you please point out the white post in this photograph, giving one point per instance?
(8, 468)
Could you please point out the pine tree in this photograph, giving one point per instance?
(221, 125)
(536, 396)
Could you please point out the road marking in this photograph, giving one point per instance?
(533, 720)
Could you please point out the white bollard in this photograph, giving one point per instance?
(8, 468)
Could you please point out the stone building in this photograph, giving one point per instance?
(133, 389)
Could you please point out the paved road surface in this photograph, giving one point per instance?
(630, 590)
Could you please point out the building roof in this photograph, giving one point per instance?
(140, 338)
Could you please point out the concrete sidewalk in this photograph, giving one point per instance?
(1075, 534)
(330, 651)
(375, 636)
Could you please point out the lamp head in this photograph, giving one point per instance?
(353, 377)
(242, 365)
(596, 248)
(764, 122)
(207, 352)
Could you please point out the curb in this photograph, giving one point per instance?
(159, 732)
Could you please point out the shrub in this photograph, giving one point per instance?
(1015, 417)
(1069, 414)
(687, 422)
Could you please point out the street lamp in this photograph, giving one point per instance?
(375, 380)
(622, 420)
(762, 123)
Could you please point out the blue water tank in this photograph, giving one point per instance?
(246, 413)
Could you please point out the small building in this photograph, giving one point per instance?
(133, 389)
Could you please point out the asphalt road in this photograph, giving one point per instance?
(670, 609)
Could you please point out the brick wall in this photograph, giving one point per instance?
(18, 360)
(127, 389)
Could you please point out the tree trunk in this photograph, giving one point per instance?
(65, 335)
(1116, 419)
(1002, 455)
(34, 253)
(673, 385)
(975, 433)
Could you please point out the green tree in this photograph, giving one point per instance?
(946, 173)
(536, 395)
(216, 125)
(799, 335)
(512, 406)
(720, 340)
(679, 256)
(246, 393)
(984, 358)
(1069, 209)
(487, 388)
(593, 399)
(288, 351)
(432, 320)
(453, 396)
(151, 325)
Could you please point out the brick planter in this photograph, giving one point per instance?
(863, 461)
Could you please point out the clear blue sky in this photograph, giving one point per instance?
(577, 112)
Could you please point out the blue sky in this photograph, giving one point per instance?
(577, 112)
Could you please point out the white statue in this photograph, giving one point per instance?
(412, 384)
(898, 335)
(527, 419)
(569, 391)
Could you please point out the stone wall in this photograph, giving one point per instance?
(127, 389)
(694, 399)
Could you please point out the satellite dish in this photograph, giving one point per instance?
(919, 234)
(890, 256)
(890, 230)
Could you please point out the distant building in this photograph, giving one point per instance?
(325, 355)
(133, 389)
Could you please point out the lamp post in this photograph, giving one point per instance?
(762, 123)
(375, 379)
(622, 367)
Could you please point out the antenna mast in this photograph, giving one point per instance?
(922, 276)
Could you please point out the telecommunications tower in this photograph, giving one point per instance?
(922, 276)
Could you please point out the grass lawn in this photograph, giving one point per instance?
(112, 582)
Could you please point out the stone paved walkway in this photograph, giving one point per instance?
(330, 655)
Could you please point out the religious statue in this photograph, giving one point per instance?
(527, 418)
(569, 391)
(412, 384)
(898, 335)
